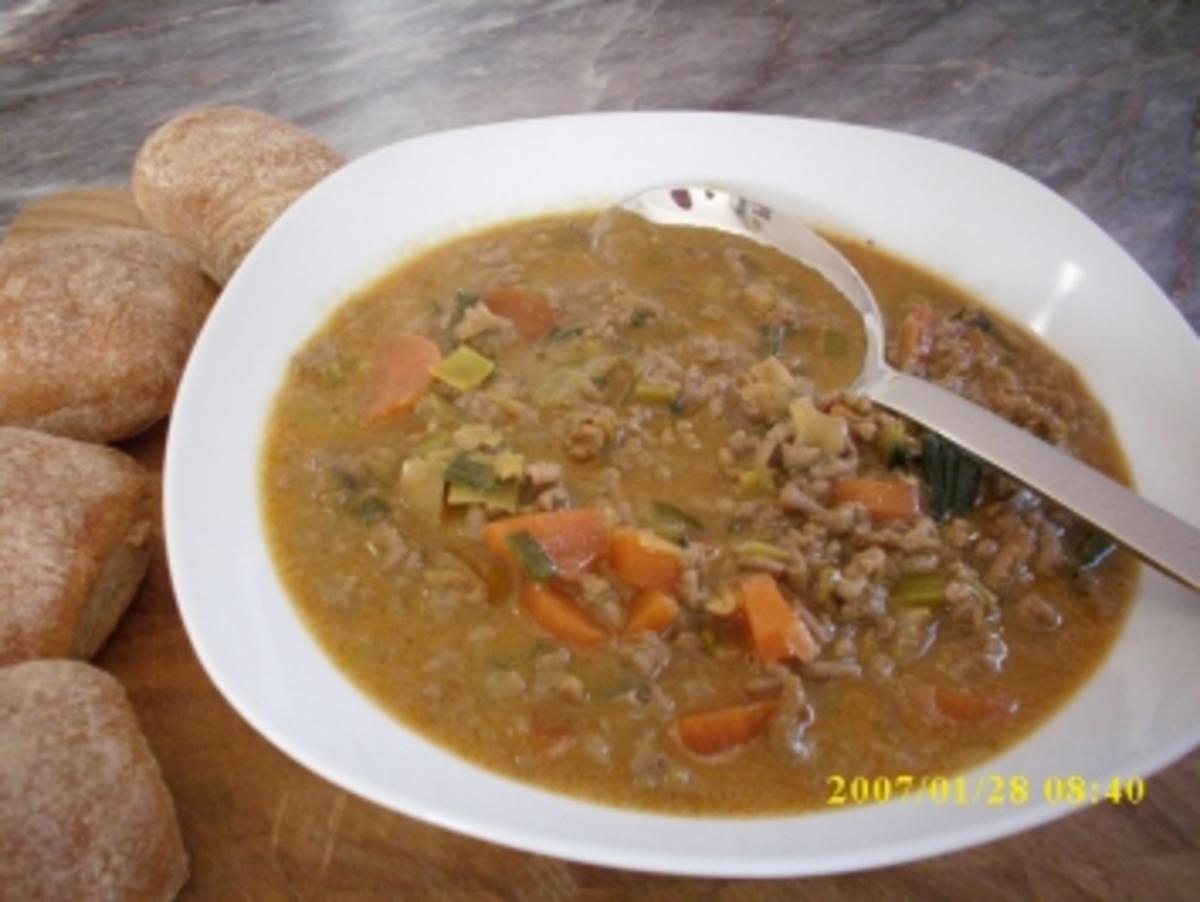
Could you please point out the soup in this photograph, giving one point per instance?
(601, 516)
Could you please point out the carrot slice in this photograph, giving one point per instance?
(968, 706)
(529, 312)
(574, 538)
(561, 616)
(884, 499)
(401, 374)
(652, 610)
(644, 560)
(773, 625)
(719, 729)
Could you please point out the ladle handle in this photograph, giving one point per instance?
(1161, 538)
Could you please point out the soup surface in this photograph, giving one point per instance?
(600, 516)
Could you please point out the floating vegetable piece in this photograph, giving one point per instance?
(369, 509)
(776, 631)
(561, 616)
(673, 522)
(757, 481)
(508, 465)
(471, 472)
(755, 548)
(574, 538)
(502, 496)
(401, 375)
(884, 499)
(422, 486)
(648, 391)
(919, 589)
(531, 557)
(652, 610)
(643, 560)
(464, 369)
(720, 729)
(822, 430)
(529, 312)
(477, 435)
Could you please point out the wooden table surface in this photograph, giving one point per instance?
(1099, 100)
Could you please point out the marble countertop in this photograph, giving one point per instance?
(1097, 99)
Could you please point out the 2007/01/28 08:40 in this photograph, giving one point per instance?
(985, 789)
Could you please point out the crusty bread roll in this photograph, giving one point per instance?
(76, 208)
(95, 328)
(75, 530)
(84, 813)
(215, 178)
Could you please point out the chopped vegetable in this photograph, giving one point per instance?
(755, 548)
(531, 556)
(477, 435)
(422, 485)
(884, 499)
(643, 560)
(773, 372)
(369, 509)
(916, 333)
(894, 445)
(561, 616)
(968, 706)
(502, 496)
(673, 522)
(574, 538)
(471, 472)
(776, 631)
(463, 301)
(562, 386)
(650, 392)
(652, 610)
(952, 475)
(757, 481)
(465, 369)
(919, 589)
(812, 427)
(530, 313)
(401, 375)
(1094, 551)
(720, 729)
(508, 465)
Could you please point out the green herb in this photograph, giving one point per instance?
(673, 522)
(463, 301)
(1093, 551)
(369, 509)
(772, 338)
(531, 556)
(952, 475)
(475, 474)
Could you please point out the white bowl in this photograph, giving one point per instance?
(990, 229)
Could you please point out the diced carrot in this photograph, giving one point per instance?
(884, 499)
(652, 610)
(401, 374)
(915, 335)
(561, 616)
(574, 538)
(529, 312)
(719, 729)
(968, 706)
(643, 560)
(776, 631)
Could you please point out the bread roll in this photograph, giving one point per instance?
(76, 208)
(75, 529)
(84, 813)
(215, 178)
(95, 328)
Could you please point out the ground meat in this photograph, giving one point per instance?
(648, 654)
(484, 329)
(1036, 613)
(502, 682)
(587, 432)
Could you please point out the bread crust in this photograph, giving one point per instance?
(215, 178)
(76, 523)
(84, 812)
(95, 328)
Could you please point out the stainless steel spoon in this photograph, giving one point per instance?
(1161, 538)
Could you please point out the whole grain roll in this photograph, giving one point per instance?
(76, 522)
(84, 813)
(215, 178)
(95, 328)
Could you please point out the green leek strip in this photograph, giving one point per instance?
(677, 518)
(422, 486)
(755, 548)
(502, 496)
(466, 470)
(464, 369)
(650, 392)
(531, 556)
(954, 477)
(919, 589)
(756, 481)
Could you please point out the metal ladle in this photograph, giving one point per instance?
(1159, 537)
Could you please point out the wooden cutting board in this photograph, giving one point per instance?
(258, 826)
